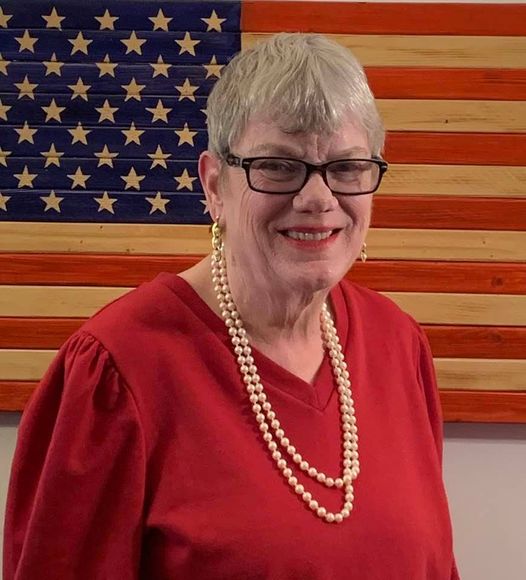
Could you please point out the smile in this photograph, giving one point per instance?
(310, 236)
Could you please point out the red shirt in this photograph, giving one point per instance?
(139, 455)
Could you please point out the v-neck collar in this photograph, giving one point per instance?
(316, 395)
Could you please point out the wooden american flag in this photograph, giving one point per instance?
(102, 119)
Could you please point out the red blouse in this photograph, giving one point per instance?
(139, 456)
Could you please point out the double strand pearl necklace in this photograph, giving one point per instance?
(270, 427)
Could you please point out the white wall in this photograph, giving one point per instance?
(485, 474)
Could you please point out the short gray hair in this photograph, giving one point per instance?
(303, 82)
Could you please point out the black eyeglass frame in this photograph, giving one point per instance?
(246, 162)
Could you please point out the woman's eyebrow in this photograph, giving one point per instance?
(275, 149)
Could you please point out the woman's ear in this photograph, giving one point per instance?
(210, 176)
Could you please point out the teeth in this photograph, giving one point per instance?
(308, 236)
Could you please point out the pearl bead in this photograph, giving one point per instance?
(313, 504)
(338, 518)
(313, 472)
(330, 517)
(299, 489)
(306, 496)
(287, 472)
(321, 511)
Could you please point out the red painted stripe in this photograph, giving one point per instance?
(383, 18)
(483, 406)
(448, 212)
(456, 148)
(447, 83)
(401, 276)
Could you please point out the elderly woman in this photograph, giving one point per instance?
(206, 424)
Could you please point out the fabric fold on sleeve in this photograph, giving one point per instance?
(76, 494)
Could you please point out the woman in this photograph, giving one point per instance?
(203, 426)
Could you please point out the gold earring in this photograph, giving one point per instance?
(363, 253)
(217, 238)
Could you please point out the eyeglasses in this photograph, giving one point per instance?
(284, 175)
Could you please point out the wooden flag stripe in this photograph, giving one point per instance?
(472, 374)
(438, 212)
(384, 18)
(454, 115)
(499, 342)
(14, 395)
(399, 244)
(121, 270)
(483, 406)
(428, 307)
(447, 83)
(456, 148)
(427, 51)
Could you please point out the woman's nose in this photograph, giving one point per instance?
(315, 196)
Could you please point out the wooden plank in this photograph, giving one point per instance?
(483, 406)
(24, 365)
(383, 18)
(388, 243)
(14, 395)
(447, 83)
(454, 115)
(470, 245)
(427, 51)
(123, 270)
(446, 341)
(467, 213)
(476, 341)
(472, 180)
(482, 309)
(481, 374)
(456, 148)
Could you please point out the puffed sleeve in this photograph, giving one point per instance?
(428, 381)
(75, 498)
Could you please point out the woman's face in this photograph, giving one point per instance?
(262, 230)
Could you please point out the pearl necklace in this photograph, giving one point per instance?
(269, 425)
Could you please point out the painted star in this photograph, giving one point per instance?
(4, 18)
(3, 156)
(186, 136)
(132, 180)
(187, 44)
(160, 112)
(212, 68)
(107, 112)
(133, 44)
(25, 179)
(53, 111)
(186, 90)
(53, 20)
(106, 202)
(213, 22)
(26, 134)
(78, 179)
(52, 201)
(3, 110)
(158, 203)
(52, 156)
(79, 134)
(184, 180)
(26, 42)
(107, 21)
(160, 68)
(105, 157)
(3, 201)
(80, 44)
(80, 90)
(3, 64)
(204, 202)
(133, 90)
(106, 67)
(160, 22)
(133, 135)
(26, 89)
(159, 158)
(53, 66)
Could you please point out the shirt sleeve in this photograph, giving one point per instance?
(75, 498)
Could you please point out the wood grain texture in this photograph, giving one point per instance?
(124, 270)
(482, 309)
(381, 18)
(456, 148)
(427, 51)
(14, 395)
(450, 341)
(483, 407)
(385, 243)
(481, 374)
(454, 115)
(24, 365)
(438, 212)
(447, 83)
